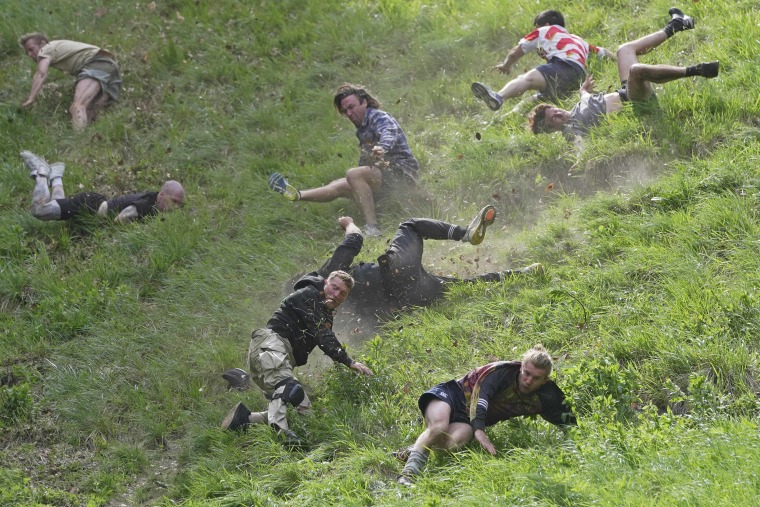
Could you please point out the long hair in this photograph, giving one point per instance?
(348, 89)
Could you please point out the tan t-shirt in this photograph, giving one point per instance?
(68, 55)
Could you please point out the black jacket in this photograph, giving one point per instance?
(306, 322)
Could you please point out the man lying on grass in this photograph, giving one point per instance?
(56, 206)
(303, 321)
(457, 411)
(563, 72)
(398, 280)
(636, 79)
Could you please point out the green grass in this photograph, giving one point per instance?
(113, 338)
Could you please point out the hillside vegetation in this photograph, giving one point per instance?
(113, 337)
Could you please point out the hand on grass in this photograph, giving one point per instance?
(360, 368)
(485, 442)
(503, 68)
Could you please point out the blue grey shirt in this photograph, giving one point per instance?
(381, 129)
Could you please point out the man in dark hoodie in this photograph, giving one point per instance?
(398, 279)
(303, 321)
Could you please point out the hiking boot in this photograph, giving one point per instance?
(484, 93)
(705, 69)
(37, 165)
(237, 378)
(56, 171)
(476, 231)
(237, 418)
(372, 231)
(534, 269)
(679, 21)
(279, 184)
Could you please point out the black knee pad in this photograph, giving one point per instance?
(293, 393)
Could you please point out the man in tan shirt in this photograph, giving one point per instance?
(98, 81)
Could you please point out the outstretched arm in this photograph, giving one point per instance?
(514, 55)
(587, 88)
(602, 53)
(361, 369)
(348, 225)
(485, 442)
(345, 252)
(37, 81)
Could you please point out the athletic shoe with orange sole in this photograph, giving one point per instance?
(476, 231)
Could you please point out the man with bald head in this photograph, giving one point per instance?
(47, 205)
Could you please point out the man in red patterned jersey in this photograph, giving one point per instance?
(636, 84)
(457, 411)
(560, 76)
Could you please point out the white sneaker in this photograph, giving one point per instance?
(56, 170)
(37, 165)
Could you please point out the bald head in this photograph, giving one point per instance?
(170, 196)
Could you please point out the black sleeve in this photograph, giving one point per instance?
(554, 407)
(495, 382)
(328, 342)
(343, 255)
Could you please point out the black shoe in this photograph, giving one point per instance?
(680, 21)
(237, 418)
(237, 378)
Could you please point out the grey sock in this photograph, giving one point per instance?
(414, 464)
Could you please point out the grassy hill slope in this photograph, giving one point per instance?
(112, 338)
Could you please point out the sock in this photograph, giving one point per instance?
(414, 464)
(56, 181)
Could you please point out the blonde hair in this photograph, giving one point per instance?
(37, 37)
(347, 279)
(540, 358)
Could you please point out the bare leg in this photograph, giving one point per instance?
(329, 192)
(531, 80)
(364, 182)
(43, 208)
(85, 92)
(58, 192)
(97, 105)
(439, 432)
(628, 53)
(41, 192)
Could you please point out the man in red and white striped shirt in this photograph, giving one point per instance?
(559, 77)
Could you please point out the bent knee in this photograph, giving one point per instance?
(45, 212)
